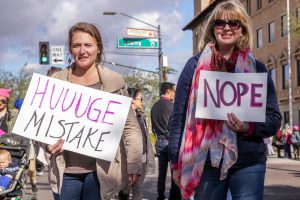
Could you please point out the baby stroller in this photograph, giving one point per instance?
(18, 148)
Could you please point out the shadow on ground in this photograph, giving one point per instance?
(280, 192)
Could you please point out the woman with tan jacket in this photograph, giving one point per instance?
(76, 176)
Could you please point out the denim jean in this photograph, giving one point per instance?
(163, 161)
(55, 196)
(80, 187)
(246, 183)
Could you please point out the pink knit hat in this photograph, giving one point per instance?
(5, 92)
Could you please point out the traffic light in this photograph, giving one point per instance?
(44, 53)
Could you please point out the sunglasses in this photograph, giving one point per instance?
(234, 24)
(4, 101)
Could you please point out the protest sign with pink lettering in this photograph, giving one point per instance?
(243, 94)
(90, 121)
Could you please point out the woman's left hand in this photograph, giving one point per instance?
(235, 124)
(133, 178)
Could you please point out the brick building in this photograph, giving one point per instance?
(269, 18)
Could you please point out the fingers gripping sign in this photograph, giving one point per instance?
(235, 124)
(56, 148)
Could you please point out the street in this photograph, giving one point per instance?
(282, 182)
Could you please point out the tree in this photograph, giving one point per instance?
(18, 82)
(146, 82)
(166, 70)
(295, 23)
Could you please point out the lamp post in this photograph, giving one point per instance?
(160, 53)
(289, 63)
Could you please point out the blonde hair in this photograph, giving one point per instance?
(234, 10)
(5, 153)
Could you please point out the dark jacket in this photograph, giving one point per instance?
(251, 149)
(160, 115)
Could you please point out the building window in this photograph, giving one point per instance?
(284, 27)
(271, 31)
(259, 42)
(258, 4)
(298, 72)
(248, 6)
(286, 117)
(298, 13)
(285, 76)
(273, 75)
(299, 117)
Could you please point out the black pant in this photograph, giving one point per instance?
(163, 160)
(279, 147)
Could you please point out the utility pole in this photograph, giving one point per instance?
(160, 53)
(289, 63)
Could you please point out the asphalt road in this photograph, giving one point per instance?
(282, 182)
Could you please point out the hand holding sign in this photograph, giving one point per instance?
(237, 125)
(56, 148)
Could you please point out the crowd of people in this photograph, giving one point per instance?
(208, 158)
(288, 140)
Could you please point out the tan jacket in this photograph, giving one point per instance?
(113, 176)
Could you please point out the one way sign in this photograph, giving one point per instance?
(57, 55)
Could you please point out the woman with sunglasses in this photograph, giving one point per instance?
(237, 160)
(7, 117)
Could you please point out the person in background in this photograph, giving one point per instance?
(287, 136)
(296, 140)
(52, 70)
(148, 166)
(268, 142)
(79, 177)
(160, 114)
(279, 142)
(32, 155)
(210, 157)
(7, 116)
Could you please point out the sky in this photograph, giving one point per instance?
(26, 22)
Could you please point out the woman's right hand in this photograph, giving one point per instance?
(175, 177)
(55, 148)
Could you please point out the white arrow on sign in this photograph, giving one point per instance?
(57, 55)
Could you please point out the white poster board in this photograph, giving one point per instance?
(90, 121)
(243, 94)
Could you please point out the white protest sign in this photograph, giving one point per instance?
(243, 94)
(90, 121)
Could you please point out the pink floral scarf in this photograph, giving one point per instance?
(201, 135)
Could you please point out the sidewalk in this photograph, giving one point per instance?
(282, 182)
(282, 179)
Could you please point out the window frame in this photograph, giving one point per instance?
(271, 39)
(284, 31)
(284, 67)
(258, 4)
(259, 39)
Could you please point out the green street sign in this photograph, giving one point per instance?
(146, 43)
